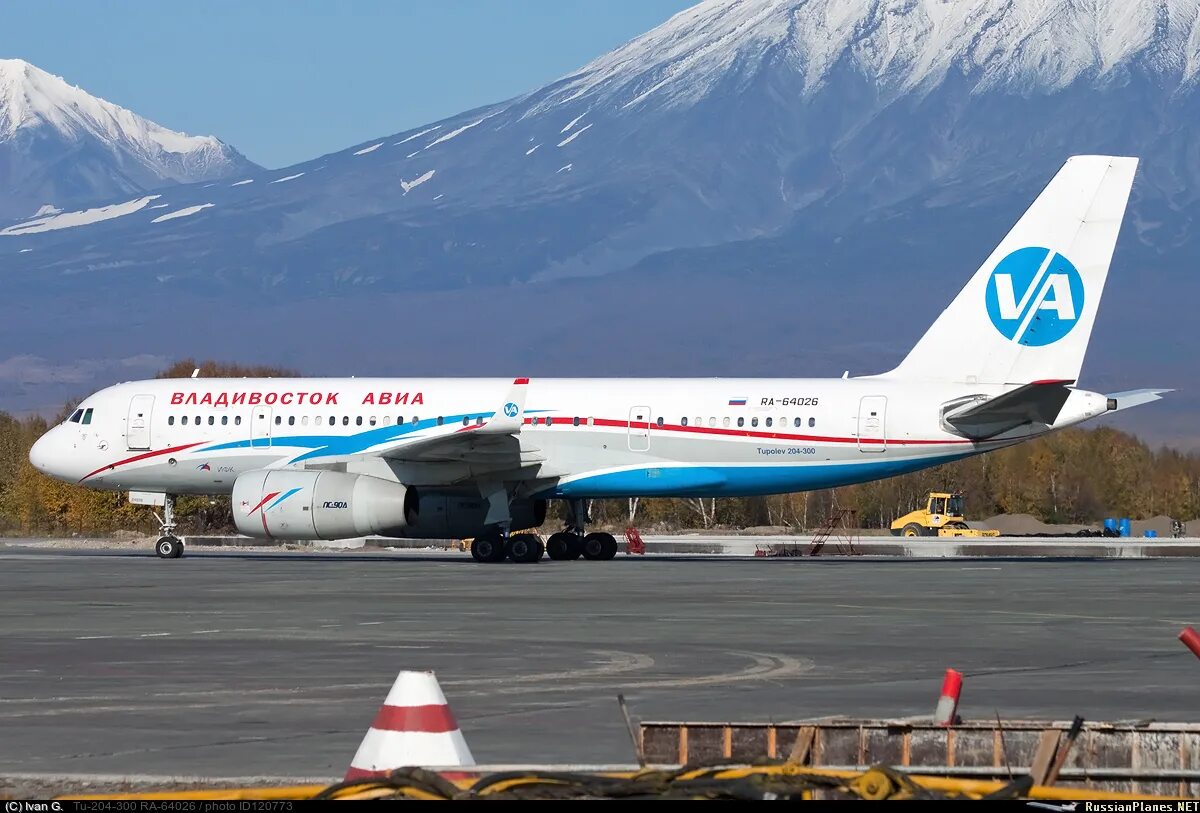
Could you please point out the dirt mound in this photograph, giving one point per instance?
(1022, 524)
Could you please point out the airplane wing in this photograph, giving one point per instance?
(1039, 402)
(492, 442)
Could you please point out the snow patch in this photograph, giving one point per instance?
(185, 212)
(24, 250)
(574, 135)
(372, 148)
(532, 149)
(288, 178)
(572, 123)
(159, 206)
(243, 183)
(411, 154)
(567, 168)
(47, 209)
(459, 131)
(413, 184)
(67, 220)
(417, 135)
(435, 197)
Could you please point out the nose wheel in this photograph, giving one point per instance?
(168, 546)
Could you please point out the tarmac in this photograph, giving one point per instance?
(230, 663)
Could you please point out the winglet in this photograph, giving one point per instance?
(510, 417)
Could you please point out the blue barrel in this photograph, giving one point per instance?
(1124, 526)
(1110, 525)
(1150, 533)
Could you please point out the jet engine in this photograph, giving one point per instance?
(297, 504)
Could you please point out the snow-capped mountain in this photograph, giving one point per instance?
(60, 146)
(808, 180)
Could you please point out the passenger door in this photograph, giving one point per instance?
(639, 429)
(260, 427)
(872, 423)
(137, 424)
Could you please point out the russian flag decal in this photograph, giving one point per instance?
(737, 401)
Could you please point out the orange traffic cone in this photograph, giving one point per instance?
(414, 728)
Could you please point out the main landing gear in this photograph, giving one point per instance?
(496, 545)
(168, 546)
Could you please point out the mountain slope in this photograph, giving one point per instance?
(59, 146)
(851, 161)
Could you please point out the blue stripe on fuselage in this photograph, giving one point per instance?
(738, 481)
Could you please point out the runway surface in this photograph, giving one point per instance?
(275, 663)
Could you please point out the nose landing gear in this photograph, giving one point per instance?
(168, 546)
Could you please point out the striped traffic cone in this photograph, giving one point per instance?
(414, 728)
(946, 712)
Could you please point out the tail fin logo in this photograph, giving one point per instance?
(1035, 296)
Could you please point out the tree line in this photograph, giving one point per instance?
(1072, 476)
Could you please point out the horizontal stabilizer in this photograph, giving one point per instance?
(1132, 398)
(1039, 402)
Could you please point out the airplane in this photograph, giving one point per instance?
(332, 458)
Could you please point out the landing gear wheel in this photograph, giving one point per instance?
(913, 529)
(599, 547)
(525, 548)
(169, 547)
(488, 548)
(563, 545)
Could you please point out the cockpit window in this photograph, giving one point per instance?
(87, 417)
(75, 416)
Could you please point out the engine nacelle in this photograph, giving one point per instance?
(298, 504)
(450, 515)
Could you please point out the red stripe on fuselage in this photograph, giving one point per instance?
(136, 458)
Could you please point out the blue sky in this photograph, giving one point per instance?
(284, 81)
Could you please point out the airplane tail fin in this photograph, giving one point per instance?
(1027, 314)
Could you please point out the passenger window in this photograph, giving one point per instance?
(171, 421)
(466, 420)
(549, 421)
(87, 417)
(575, 420)
(197, 420)
(237, 420)
(683, 421)
(725, 422)
(304, 421)
(741, 421)
(416, 420)
(183, 420)
(278, 420)
(291, 420)
(319, 420)
(796, 423)
(754, 421)
(479, 420)
(699, 422)
(358, 421)
(712, 422)
(371, 420)
(659, 421)
(387, 420)
(224, 420)
(441, 420)
(768, 421)
(592, 421)
(812, 422)
(211, 420)
(345, 420)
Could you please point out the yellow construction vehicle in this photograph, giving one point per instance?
(941, 516)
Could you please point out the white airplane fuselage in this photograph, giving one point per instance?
(584, 438)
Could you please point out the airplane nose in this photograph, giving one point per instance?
(41, 455)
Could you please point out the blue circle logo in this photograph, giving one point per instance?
(1034, 297)
(510, 409)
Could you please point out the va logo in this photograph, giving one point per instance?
(510, 409)
(1034, 297)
